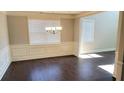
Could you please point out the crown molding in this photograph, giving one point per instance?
(41, 15)
(3, 12)
(87, 13)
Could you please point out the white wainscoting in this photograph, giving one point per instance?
(26, 51)
(5, 60)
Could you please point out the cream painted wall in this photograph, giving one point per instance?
(76, 36)
(67, 33)
(18, 30)
(104, 35)
(4, 45)
(19, 40)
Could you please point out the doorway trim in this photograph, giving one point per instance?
(119, 60)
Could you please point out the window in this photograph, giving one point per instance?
(88, 30)
(38, 33)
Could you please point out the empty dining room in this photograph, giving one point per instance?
(60, 45)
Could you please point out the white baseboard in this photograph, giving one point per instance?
(4, 69)
(4, 60)
(100, 50)
(27, 52)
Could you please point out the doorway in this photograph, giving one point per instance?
(98, 39)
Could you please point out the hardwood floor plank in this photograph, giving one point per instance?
(68, 68)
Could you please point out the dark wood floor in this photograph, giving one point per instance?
(68, 68)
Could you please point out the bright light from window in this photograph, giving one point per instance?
(90, 56)
(95, 55)
(48, 28)
(53, 28)
(44, 31)
(87, 27)
(85, 56)
(108, 68)
(58, 28)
